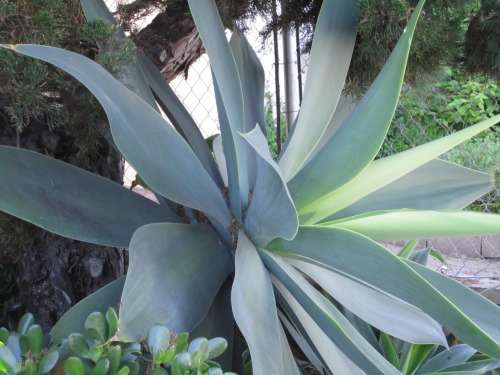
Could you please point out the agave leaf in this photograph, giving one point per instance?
(141, 135)
(391, 315)
(74, 320)
(176, 271)
(383, 171)
(231, 158)
(222, 60)
(344, 108)
(474, 367)
(482, 312)
(335, 31)
(326, 326)
(407, 224)
(455, 355)
(367, 124)
(72, 202)
(254, 309)
(468, 315)
(301, 342)
(221, 158)
(252, 79)
(227, 82)
(436, 185)
(134, 79)
(179, 116)
(271, 201)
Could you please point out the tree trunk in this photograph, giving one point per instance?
(172, 41)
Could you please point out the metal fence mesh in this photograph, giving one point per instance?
(438, 106)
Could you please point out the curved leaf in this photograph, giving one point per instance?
(74, 320)
(455, 355)
(176, 271)
(252, 78)
(179, 116)
(367, 125)
(383, 171)
(254, 308)
(144, 138)
(232, 160)
(72, 202)
(436, 185)
(227, 83)
(407, 224)
(468, 315)
(391, 315)
(270, 202)
(332, 47)
(326, 326)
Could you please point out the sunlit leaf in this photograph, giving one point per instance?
(407, 224)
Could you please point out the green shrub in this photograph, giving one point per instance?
(27, 351)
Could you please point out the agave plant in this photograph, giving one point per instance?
(288, 250)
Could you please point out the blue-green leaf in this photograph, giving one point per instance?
(175, 271)
(383, 172)
(270, 202)
(179, 116)
(331, 54)
(326, 326)
(468, 315)
(252, 79)
(72, 202)
(376, 307)
(254, 309)
(142, 136)
(231, 158)
(455, 355)
(367, 124)
(228, 83)
(436, 185)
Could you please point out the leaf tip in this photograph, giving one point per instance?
(8, 46)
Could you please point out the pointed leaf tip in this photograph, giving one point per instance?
(8, 46)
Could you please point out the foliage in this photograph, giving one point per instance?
(27, 351)
(481, 54)
(430, 112)
(34, 94)
(272, 247)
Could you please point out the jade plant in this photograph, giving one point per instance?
(281, 249)
(98, 351)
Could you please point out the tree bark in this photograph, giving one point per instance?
(172, 41)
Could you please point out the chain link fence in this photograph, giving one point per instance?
(437, 106)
